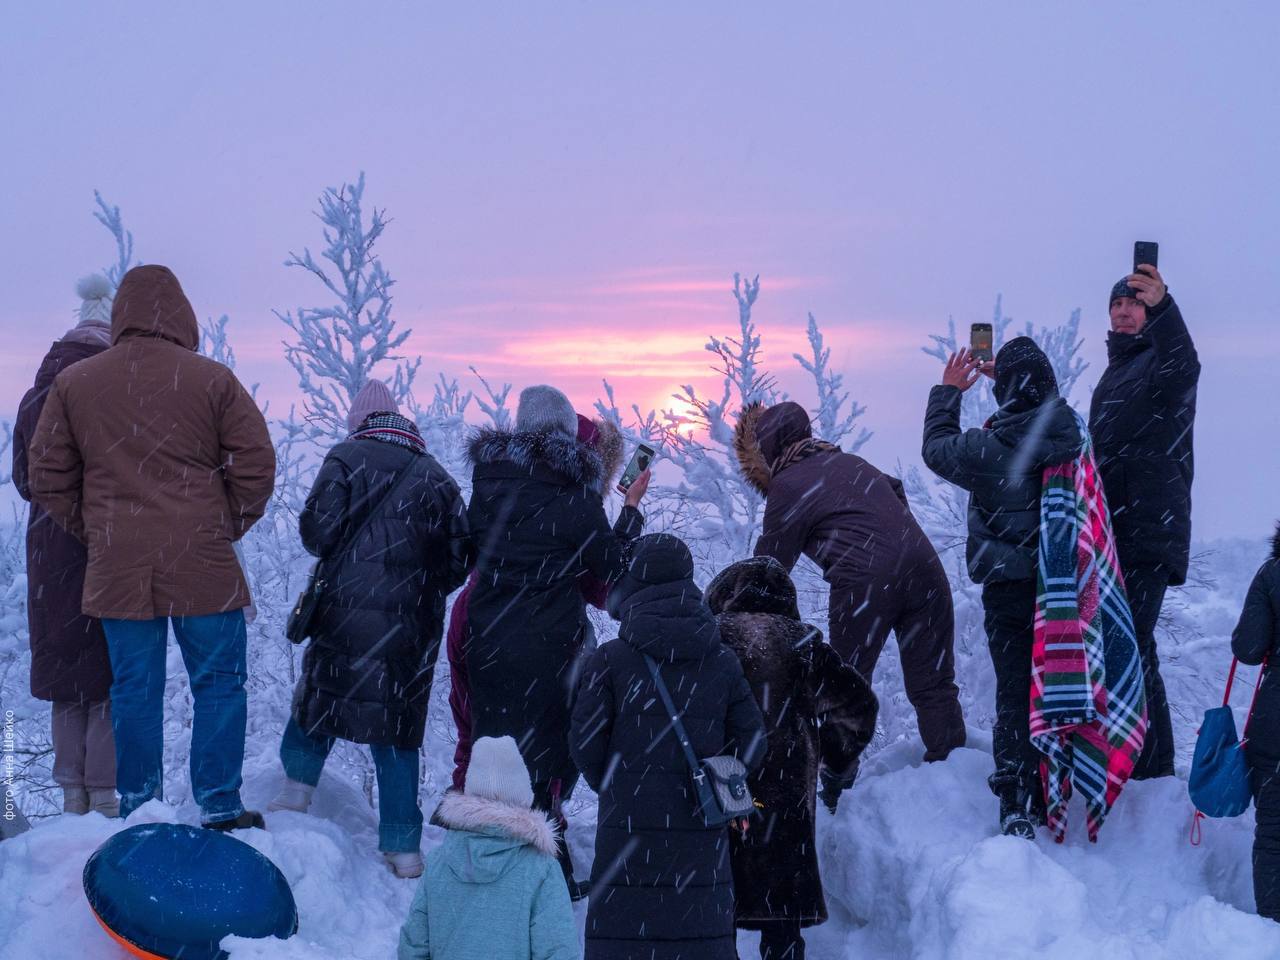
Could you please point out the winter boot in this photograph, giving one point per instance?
(1014, 819)
(293, 796)
(105, 802)
(246, 820)
(406, 866)
(75, 800)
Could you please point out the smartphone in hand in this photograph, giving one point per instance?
(1145, 251)
(981, 342)
(638, 464)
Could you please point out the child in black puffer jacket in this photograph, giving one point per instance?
(1255, 640)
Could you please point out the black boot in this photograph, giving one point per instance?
(246, 820)
(1015, 821)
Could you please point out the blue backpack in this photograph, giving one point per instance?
(1219, 781)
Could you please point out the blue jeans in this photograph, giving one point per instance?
(213, 648)
(399, 819)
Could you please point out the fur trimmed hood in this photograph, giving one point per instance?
(610, 449)
(769, 439)
(746, 444)
(1275, 544)
(562, 454)
(464, 811)
(755, 585)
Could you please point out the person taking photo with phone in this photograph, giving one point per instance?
(1141, 420)
(541, 533)
(1002, 465)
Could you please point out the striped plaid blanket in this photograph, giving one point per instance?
(1088, 709)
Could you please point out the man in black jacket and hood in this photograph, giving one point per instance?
(1141, 419)
(1002, 466)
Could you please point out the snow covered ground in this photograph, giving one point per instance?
(911, 863)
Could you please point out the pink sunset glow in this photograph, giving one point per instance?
(570, 211)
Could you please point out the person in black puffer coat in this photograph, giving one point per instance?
(819, 714)
(540, 531)
(366, 674)
(854, 522)
(1257, 640)
(1142, 420)
(662, 884)
(1002, 466)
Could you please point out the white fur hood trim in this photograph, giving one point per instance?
(463, 811)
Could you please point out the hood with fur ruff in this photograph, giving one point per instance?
(473, 814)
(553, 450)
(746, 444)
(1275, 544)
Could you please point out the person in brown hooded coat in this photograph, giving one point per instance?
(69, 661)
(819, 715)
(159, 460)
(854, 522)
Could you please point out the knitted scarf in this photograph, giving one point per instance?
(1088, 710)
(799, 451)
(391, 428)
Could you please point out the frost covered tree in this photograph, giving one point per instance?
(338, 346)
(830, 422)
(110, 218)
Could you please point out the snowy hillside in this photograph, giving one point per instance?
(911, 862)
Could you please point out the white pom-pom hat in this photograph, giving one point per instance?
(94, 292)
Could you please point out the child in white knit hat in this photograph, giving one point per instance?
(493, 889)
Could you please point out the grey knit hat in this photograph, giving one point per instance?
(545, 409)
(374, 397)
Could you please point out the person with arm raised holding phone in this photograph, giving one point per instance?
(1142, 419)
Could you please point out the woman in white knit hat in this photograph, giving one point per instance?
(493, 888)
(69, 661)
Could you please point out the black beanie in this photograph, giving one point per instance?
(1024, 376)
(1121, 289)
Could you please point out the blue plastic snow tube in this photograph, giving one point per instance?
(170, 890)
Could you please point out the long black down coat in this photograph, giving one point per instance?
(69, 660)
(819, 712)
(367, 671)
(662, 884)
(1002, 466)
(1257, 637)
(1142, 418)
(539, 529)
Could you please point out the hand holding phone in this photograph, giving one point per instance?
(981, 342)
(638, 464)
(1145, 252)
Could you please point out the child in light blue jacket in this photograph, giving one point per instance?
(493, 890)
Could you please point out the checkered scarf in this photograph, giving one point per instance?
(391, 428)
(1088, 709)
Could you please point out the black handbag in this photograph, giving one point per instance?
(302, 617)
(719, 783)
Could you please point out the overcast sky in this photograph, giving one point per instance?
(572, 186)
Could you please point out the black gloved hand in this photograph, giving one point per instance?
(833, 786)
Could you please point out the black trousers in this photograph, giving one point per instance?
(781, 940)
(917, 608)
(550, 796)
(1266, 838)
(1010, 610)
(1146, 586)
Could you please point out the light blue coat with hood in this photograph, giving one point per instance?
(492, 890)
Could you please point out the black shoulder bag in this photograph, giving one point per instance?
(719, 783)
(302, 617)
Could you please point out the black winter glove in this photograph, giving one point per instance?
(833, 786)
